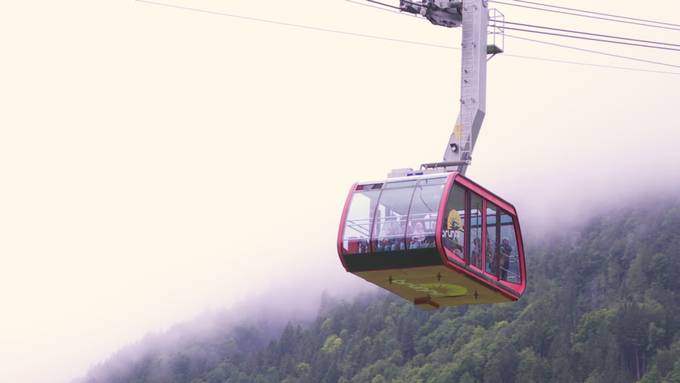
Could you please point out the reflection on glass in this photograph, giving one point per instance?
(476, 231)
(507, 250)
(389, 228)
(359, 220)
(453, 235)
(422, 220)
(491, 239)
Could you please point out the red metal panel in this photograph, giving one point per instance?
(510, 209)
(510, 290)
(440, 217)
(343, 222)
(522, 261)
(482, 247)
(484, 193)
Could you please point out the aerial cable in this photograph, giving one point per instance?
(588, 33)
(542, 27)
(597, 13)
(501, 26)
(410, 42)
(593, 51)
(299, 26)
(603, 66)
(381, 7)
(383, 4)
(586, 16)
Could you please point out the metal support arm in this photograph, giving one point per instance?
(473, 17)
(473, 84)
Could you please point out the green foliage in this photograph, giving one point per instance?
(332, 344)
(602, 306)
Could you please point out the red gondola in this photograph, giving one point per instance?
(433, 236)
(436, 240)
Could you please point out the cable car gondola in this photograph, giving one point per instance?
(433, 236)
(436, 240)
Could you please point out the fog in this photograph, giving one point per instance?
(156, 163)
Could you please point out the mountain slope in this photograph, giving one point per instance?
(602, 306)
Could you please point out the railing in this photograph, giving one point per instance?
(496, 32)
(362, 226)
(358, 231)
(512, 276)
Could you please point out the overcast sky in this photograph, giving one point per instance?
(156, 162)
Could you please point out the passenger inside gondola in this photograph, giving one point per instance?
(476, 252)
(418, 236)
(390, 236)
(508, 249)
(362, 246)
(491, 239)
(505, 251)
(490, 256)
(429, 224)
(476, 230)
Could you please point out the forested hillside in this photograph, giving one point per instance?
(603, 305)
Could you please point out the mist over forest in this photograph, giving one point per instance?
(602, 306)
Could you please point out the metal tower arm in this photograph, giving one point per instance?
(473, 85)
(473, 17)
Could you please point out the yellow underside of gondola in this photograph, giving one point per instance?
(432, 287)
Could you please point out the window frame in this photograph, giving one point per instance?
(410, 208)
(444, 216)
(502, 206)
(516, 241)
(482, 228)
(494, 274)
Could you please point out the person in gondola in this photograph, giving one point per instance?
(504, 260)
(476, 252)
(362, 246)
(490, 256)
(418, 236)
(388, 240)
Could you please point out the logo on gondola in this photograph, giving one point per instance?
(434, 289)
(452, 236)
(458, 131)
(454, 222)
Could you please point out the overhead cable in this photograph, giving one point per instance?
(579, 63)
(381, 7)
(410, 42)
(384, 4)
(589, 33)
(593, 51)
(597, 13)
(585, 38)
(586, 16)
(299, 26)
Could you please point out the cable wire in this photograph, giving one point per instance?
(586, 16)
(585, 38)
(384, 4)
(588, 33)
(593, 51)
(603, 66)
(597, 13)
(382, 7)
(410, 42)
(299, 26)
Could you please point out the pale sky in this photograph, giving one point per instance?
(156, 162)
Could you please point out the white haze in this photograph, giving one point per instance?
(157, 162)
